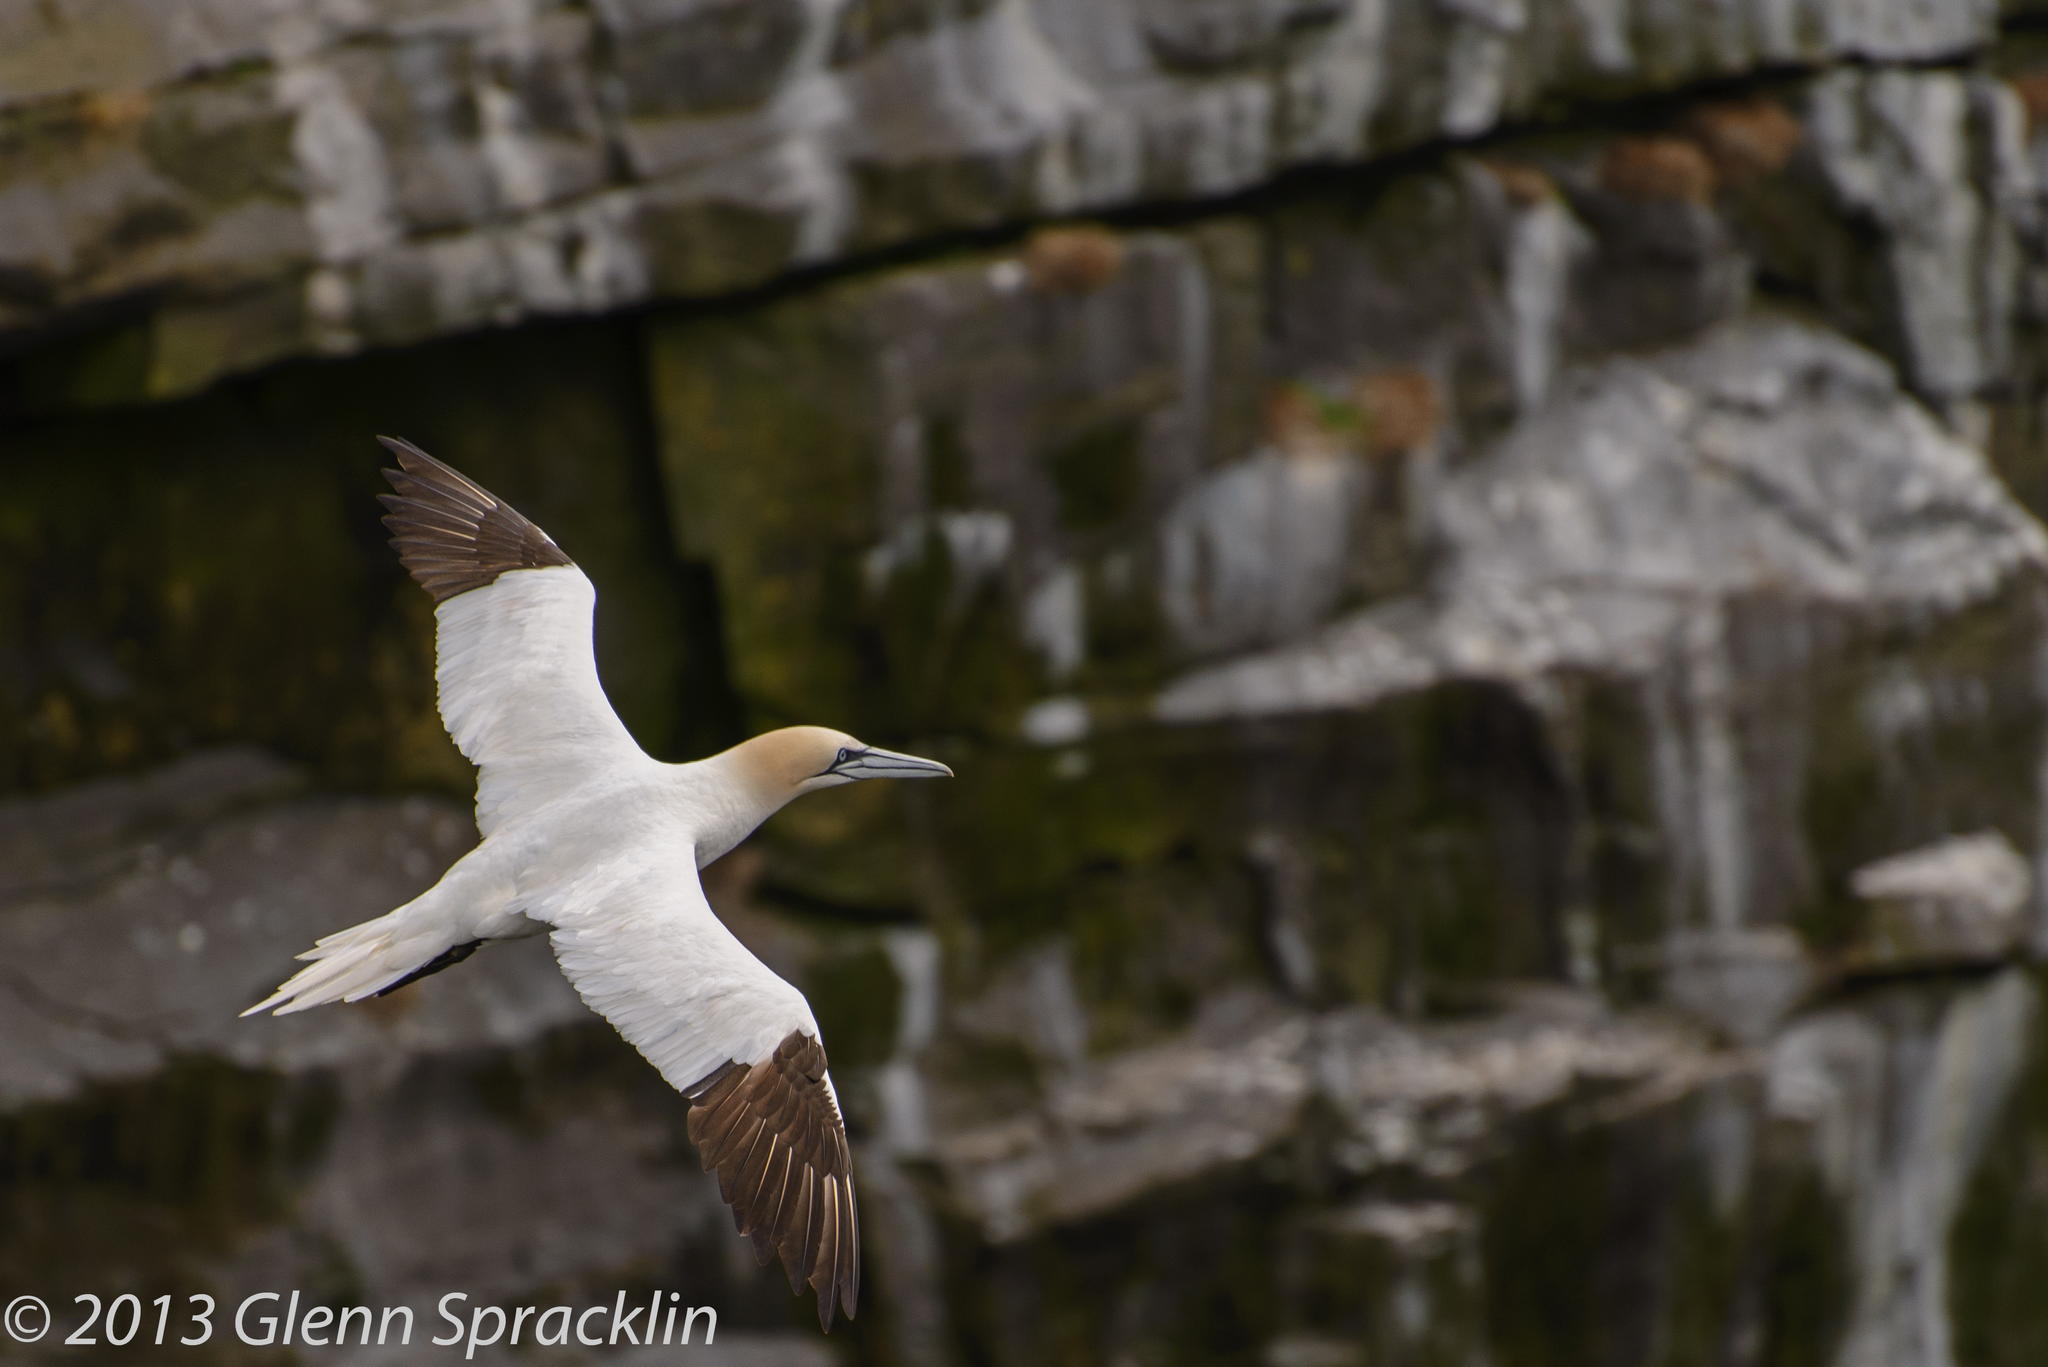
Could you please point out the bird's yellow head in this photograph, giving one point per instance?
(802, 759)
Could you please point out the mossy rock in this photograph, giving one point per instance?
(213, 569)
(1918, 731)
(140, 1185)
(225, 140)
(1607, 1244)
(766, 458)
(879, 470)
(713, 246)
(1998, 1245)
(1125, 1287)
(856, 994)
(1433, 832)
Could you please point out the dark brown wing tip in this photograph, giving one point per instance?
(417, 463)
(773, 1135)
(452, 534)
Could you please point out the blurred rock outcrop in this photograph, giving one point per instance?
(1491, 617)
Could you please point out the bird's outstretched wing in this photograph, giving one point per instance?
(518, 683)
(641, 946)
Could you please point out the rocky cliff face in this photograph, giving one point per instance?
(1490, 614)
(221, 183)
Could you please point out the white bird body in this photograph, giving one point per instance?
(587, 838)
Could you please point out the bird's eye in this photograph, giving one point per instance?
(844, 755)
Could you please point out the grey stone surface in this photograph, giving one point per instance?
(210, 875)
(1133, 1124)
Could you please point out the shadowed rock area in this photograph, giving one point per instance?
(1490, 614)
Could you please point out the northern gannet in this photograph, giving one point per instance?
(591, 841)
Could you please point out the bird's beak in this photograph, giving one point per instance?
(872, 763)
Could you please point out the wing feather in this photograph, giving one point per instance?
(795, 1235)
(643, 948)
(518, 682)
(824, 1276)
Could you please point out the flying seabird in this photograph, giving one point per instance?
(591, 841)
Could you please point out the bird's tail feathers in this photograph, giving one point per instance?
(439, 927)
(328, 945)
(359, 962)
